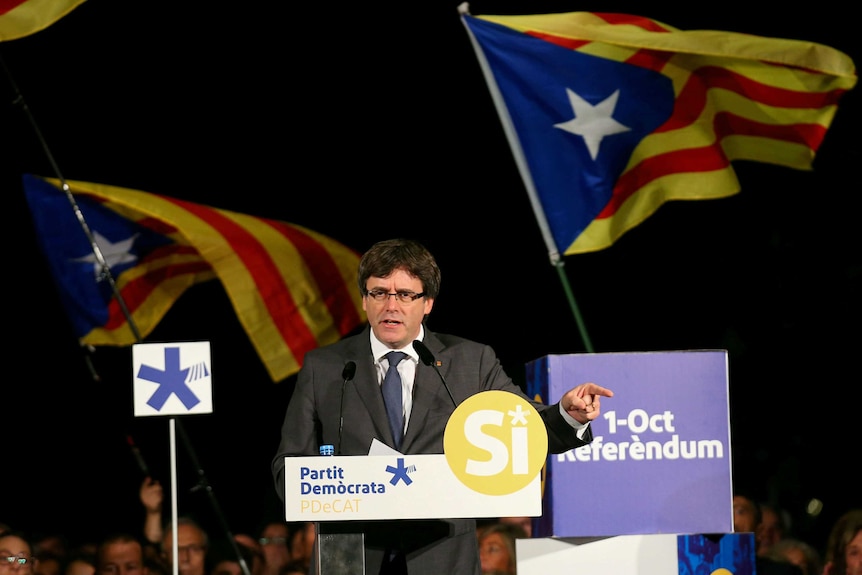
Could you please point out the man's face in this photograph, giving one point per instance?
(191, 549)
(769, 531)
(15, 547)
(396, 323)
(493, 554)
(126, 558)
(744, 515)
(274, 539)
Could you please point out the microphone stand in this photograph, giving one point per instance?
(427, 358)
(203, 484)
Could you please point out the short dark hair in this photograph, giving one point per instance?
(112, 539)
(386, 256)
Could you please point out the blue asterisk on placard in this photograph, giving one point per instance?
(399, 473)
(171, 380)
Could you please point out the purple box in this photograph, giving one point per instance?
(660, 460)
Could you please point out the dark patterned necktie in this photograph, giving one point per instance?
(392, 396)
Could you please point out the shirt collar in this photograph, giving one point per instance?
(379, 349)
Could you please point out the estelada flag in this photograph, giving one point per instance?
(292, 288)
(611, 115)
(19, 18)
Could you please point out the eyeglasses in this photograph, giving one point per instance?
(272, 540)
(403, 296)
(15, 560)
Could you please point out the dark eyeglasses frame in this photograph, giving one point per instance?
(401, 296)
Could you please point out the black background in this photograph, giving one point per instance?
(370, 122)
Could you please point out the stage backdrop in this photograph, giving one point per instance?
(660, 461)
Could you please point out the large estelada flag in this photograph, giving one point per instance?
(292, 289)
(19, 18)
(611, 115)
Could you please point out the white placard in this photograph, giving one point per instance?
(172, 378)
(345, 488)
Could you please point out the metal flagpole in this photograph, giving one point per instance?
(527, 178)
(105, 270)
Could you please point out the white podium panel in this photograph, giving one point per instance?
(392, 487)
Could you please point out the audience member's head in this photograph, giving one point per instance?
(746, 514)
(274, 539)
(80, 562)
(192, 545)
(47, 563)
(16, 554)
(844, 546)
(773, 527)
(224, 559)
(120, 554)
(50, 551)
(54, 544)
(799, 553)
(497, 547)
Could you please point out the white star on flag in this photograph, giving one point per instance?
(593, 123)
(114, 253)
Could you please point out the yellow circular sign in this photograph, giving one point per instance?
(495, 442)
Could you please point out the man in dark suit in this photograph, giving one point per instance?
(399, 281)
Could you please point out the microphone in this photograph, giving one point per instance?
(346, 375)
(427, 358)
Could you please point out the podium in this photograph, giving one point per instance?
(340, 492)
(656, 476)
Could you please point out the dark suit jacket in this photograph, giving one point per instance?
(312, 419)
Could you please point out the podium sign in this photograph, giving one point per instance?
(495, 446)
(660, 459)
(392, 487)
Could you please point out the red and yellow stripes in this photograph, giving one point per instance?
(19, 18)
(292, 289)
(151, 287)
(737, 97)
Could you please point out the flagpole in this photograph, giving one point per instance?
(524, 170)
(105, 270)
(570, 297)
(106, 274)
